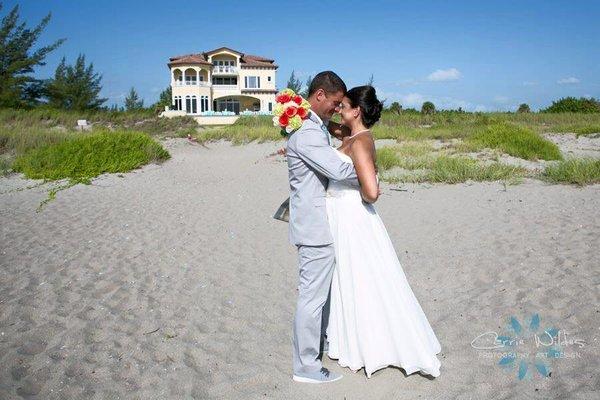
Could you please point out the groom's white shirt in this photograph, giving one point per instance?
(324, 125)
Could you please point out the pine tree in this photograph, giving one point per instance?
(370, 81)
(294, 83)
(307, 85)
(75, 87)
(164, 99)
(17, 87)
(133, 101)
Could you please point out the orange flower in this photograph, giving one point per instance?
(290, 111)
(284, 120)
(302, 113)
(283, 98)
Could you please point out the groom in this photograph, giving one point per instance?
(312, 162)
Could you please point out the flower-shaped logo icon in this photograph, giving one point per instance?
(529, 348)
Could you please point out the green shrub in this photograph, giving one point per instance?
(587, 130)
(461, 169)
(572, 104)
(428, 108)
(387, 158)
(87, 156)
(581, 172)
(516, 141)
(246, 129)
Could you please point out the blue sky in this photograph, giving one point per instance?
(490, 55)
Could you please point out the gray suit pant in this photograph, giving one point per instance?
(316, 265)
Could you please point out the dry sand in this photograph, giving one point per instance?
(174, 282)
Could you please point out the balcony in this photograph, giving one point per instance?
(191, 83)
(224, 70)
(224, 87)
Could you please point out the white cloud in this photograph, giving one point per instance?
(568, 81)
(412, 100)
(442, 75)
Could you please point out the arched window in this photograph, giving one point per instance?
(188, 104)
(194, 105)
(177, 103)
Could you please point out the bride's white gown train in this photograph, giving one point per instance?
(375, 319)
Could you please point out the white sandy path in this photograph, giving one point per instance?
(189, 248)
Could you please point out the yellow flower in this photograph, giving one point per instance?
(295, 122)
(278, 110)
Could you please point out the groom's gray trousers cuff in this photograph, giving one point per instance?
(316, 265)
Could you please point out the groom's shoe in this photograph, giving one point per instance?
(322, 376)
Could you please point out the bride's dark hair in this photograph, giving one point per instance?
(366, 98)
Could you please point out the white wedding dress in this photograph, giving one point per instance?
(375, 319)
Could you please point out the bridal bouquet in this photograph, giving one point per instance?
(290, 110)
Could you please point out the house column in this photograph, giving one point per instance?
(197, 77)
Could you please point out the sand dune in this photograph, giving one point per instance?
(174, 282)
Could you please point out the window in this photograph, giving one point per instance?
(203, 103)
(228, 105)
(194, 105)
(188, 104)
(270, 106)
(178, 78)
(177, 103)
(252, 82)
(190, 79)
(218, 80)
(223, 63)
(269, 78)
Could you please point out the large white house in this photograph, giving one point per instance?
(221, 83)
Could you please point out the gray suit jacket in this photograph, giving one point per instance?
(311, 163)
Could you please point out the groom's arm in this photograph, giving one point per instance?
(312, 148)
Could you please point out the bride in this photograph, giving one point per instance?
(375, 319)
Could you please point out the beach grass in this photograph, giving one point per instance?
(22, 121)
(584, 171)
(84, 157)
(516, 141)
(587, 130)
(245, 130)
(419, 162)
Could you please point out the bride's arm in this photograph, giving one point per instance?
(338, 130)
(363, 150)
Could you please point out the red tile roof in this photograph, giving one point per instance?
(246, 60)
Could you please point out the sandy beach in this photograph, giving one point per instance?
(174, 282)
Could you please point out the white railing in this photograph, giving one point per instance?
(224, 87)
(191, 83)
(224, 69)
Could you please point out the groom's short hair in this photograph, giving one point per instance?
(329, 81)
